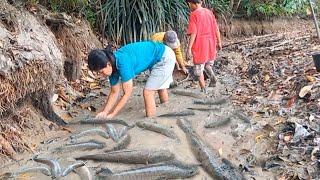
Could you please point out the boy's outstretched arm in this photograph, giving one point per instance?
(127, 90)
(218, 38)
(112, 98)
(191, 42)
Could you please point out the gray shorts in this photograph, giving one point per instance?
(199, 68)
(161, 73)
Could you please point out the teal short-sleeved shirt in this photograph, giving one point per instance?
(135, 58)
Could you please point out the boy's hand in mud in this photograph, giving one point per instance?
(185, 70)
(219, 46)
(102, 115)
(109, 116)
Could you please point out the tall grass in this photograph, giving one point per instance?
(128, 21)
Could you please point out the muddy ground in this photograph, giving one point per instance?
(244, 144)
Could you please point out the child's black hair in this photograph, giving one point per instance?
(194, 1)
(99, 58)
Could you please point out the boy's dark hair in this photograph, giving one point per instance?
(194, 1)
(99, 58)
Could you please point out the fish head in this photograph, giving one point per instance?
(191, 171)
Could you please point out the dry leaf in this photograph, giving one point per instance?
(266, 78)
(311, 78)
(259, 138)
(54, 98)
(94, 86)
(63, 97)
(305, 90)
(244, 151)
(6, 146)
(88, 79)
(291, 102)
(220, 151)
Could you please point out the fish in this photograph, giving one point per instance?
(122, 144)
(72, 168)
(168, 170)
(95, 131)
(104, 121)
(209, 158)
(123, 131)
(187, 93)
(176, 114)
(92, 144)
(210, 102)
(84, 173)
(132, 156)
(42, 170)
(242, 116)
(203, 109)
(157, 128)
(112, 132)
(53, 164)
(218, 123)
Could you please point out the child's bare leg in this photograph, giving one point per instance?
(210, 73)
(202, 82)
(163, 95)
(150, 104)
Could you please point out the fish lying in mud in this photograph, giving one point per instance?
(170, 170)
(123, 131)
(104, 121)
(203, 109)
(210, 159)
(71, 168)
(157, 128)
(112, 132)
(56, 170)
(121, 144)
(187, 93)
(95, 131)
(84, 173)
(42, 170)
(178, 114)
(210, 102)
(53, 164)
(242, 116)
(82, 146)
(218, 123)
(132, 156)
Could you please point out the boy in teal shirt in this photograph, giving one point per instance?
(129, 61)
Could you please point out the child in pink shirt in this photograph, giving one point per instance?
(204, 38)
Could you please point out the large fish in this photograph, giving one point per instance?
(157, 128)
(121, 144)
(104, 121)
(112, 132)
(53, 164)
(178, 114)
(218, 123)
(132, 156)
(42, 170)
(210, 102)
(95, 131)
(171, 170)
(81, 146)
(187, 93)
(84, 173)
(217, 167)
